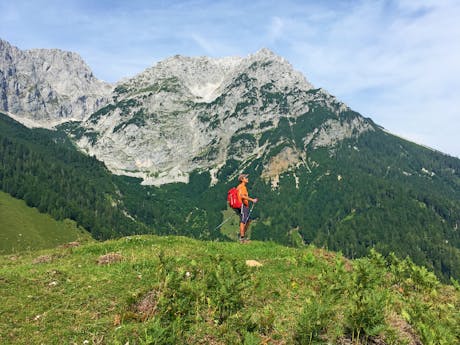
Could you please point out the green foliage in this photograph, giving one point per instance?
(432, 317)
(174, 290)
(366, 314)
(314, 320)
(138, 119)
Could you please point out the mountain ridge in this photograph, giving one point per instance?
(173, 130)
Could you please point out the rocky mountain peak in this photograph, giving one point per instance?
(48, 86)
(188, 113)
(180, 115)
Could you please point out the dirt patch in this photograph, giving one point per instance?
(71, 244)
(147, 306)
(141, 310)
(109, 258)
(43, 259)
(404, 330)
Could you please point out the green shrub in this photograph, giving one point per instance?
(367, 300)
(314, 320)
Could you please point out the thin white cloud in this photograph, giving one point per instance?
(204, 44)
(276, 29)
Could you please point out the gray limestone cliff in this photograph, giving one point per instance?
(185, 114)
(180, 115)
(48, 86)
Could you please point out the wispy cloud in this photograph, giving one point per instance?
(275, 30)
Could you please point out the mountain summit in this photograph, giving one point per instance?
(48, 86)
(189, 113)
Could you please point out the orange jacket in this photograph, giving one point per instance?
(243, 192)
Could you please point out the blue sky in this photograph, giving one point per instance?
(397, 62)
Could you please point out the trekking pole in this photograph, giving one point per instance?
(225, 221)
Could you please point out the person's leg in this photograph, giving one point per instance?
(246, 227)
(244, 222)
(242, 229)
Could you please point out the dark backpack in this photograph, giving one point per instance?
(232, 198)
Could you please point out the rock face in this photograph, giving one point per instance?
(182, 114)
(48, 86)
(187, 113)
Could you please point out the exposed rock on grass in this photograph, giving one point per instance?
(253, 263)
(147, 306)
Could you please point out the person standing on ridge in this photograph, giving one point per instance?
(244, 198)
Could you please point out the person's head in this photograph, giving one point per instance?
(243, 178)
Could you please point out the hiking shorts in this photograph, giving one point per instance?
(243, 212)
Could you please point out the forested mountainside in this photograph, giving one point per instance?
(43, 168)
(46, 170)
(351, 205)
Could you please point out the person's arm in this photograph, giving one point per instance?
(246, 197)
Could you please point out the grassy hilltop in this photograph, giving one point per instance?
(175, 290)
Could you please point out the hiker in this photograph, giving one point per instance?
(243, 212)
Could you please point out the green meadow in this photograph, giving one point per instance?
(175, 290)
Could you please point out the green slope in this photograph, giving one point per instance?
(175, 290)
(24, 228)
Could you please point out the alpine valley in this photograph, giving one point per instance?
(156, 153)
